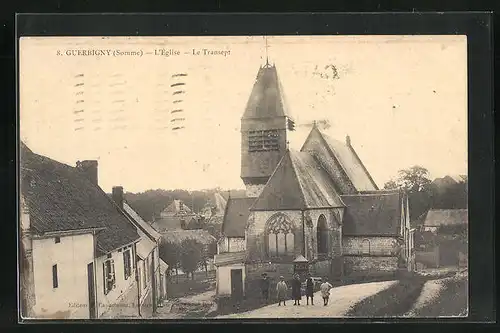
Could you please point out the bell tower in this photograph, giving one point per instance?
(264, 127)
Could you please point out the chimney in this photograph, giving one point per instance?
(89, 167)
(348, 140)
(118, 195)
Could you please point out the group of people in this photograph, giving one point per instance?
(296, 284)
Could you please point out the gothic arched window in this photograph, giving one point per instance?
(280, 236)
(322, 236)
(365, 246)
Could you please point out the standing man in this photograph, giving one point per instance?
(265, 287)
(309, 290)
(325, 291)
(281, 289)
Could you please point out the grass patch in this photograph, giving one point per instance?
(451, 301)
(391, 302)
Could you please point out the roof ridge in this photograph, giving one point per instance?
(335, 155)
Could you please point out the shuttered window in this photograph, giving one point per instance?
(127, 264)
(263, 140)
(109, 275)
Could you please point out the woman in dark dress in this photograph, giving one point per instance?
(296, 294)
(309, 290)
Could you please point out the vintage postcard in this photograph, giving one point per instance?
(243, 177)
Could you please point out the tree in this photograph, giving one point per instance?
(191, 256)
(414, 179)
(390, 185)
(209, 252)
(170, 253)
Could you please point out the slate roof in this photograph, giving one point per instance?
(167, 223)
(351, 164)
(299, 182)
(143, 224)
(440, 217)
(61, 198)
(266, 99)
(372, 214)
(228, 258)
(236, 216)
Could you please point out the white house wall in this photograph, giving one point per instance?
(224, 278)
(70, 300)
(112, 299)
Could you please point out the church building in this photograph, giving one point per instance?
(318, 206)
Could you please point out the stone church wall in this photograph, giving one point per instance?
(333, 218)
(255, 233)
(231, 244)
(369, 265)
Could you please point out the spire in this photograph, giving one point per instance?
(267, 56)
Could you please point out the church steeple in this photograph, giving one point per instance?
(264, 128)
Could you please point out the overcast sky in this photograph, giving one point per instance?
(402, 100)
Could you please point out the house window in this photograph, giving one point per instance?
(55, 281)
(127, 264)
(365, 246)
(263, 140)
(322, 236)
(57, 240)
(280, 236)
(109, 276)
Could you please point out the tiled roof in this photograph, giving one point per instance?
(236, 216)
(440, 217)
(229, 258)
(266, 98)
(143, 224)
(177, 237)
(298, 182)
(351, 164)
(61, 198)
(172, 223)
(372, 214)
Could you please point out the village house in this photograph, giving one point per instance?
(443, 238)
(151, 272)
(319, 204)
(213, 214)
(77, 247)
(176, 216)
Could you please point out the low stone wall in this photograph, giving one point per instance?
(369, 264)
